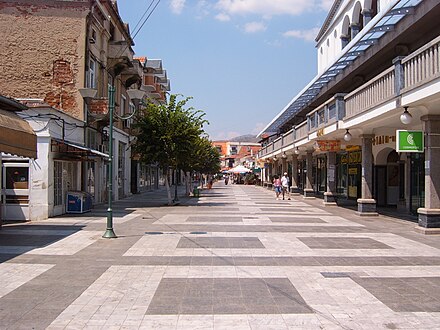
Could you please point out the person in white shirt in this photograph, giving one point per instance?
(285, 184)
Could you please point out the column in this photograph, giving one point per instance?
(294, 187)
(308, 190)
(330, 194)
(367, 13)
(344, 41)
(366, 204)
(355, 28)
(283, 165)
(429, 216)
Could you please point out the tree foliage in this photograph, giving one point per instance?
(172, 136)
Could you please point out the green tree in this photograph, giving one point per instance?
(166, 134)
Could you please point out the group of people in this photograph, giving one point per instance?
(281, 186)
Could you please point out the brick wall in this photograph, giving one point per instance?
(42, 53)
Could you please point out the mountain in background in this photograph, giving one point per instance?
(245, 138)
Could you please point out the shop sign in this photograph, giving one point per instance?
(328, 145)
(352, 148)
(409, 141)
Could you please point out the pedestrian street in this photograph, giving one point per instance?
(235, 258)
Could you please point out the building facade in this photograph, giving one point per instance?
(354, 134)
(68, 61)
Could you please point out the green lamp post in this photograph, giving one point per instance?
(109, 233)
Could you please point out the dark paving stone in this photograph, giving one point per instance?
(260, 228)
(296, 220)
(225, 218)
(227, 296)
(282, 209)
(220, 243)
(342, 243)
(28, 240)
(404, 294)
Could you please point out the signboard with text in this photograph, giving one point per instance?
(409, 141)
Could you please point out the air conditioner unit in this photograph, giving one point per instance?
(102, 148)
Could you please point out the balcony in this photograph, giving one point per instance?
(423, 66)
(131, 75)
(409, 74)
(149, 83)
(120, 56)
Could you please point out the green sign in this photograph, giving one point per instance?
(409, 141)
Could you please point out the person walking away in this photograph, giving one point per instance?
(277, 186)
(226, 179)
(285, 182)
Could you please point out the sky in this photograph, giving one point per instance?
(241, 61)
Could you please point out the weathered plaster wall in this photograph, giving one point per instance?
(43, 51)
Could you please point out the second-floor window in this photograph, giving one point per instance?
(123, 104)
(91, 81)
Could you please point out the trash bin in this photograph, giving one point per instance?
(78, 202)
(196, 192)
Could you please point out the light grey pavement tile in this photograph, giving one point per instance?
(147, 281)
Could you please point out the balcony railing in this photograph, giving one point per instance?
(422, 66)
(373, 93)
(411, 72)
(301, 131)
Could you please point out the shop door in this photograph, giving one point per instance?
(381, 189)
(417, 182)
(121, 170)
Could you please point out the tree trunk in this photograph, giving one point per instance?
(167, 184)
(189, 183)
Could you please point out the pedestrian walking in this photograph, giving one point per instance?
(226, 179)
(285, 182)
(277, 186)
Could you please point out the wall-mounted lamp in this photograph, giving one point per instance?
(296, 151)
(406, 117)
(284, 156)
(347, 136)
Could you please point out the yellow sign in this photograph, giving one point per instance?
(352, 148)
(353, 170)
(328, 145)
(320, 132)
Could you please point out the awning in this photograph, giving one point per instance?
(16, 135)
(72, 147)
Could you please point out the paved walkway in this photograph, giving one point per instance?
(234, 259)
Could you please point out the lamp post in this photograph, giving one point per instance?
(109, 233)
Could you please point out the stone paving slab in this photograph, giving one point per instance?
(271, 265)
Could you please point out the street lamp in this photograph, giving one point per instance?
(347, 136)
(109, 233)
(406, 117)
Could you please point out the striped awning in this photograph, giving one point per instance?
(16, 135)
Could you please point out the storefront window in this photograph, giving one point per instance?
(17, 178)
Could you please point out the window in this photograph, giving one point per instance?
(123, 104)
(332, 111)
(93, 36)
(58, 183)
(17, 177)
(91, 81)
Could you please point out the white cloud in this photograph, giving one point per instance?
(258, 128)
(177, 6)
(265, 8)
(218, 136)
(254, 27)
(222, 17)
(326, 4)
(307, 35)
